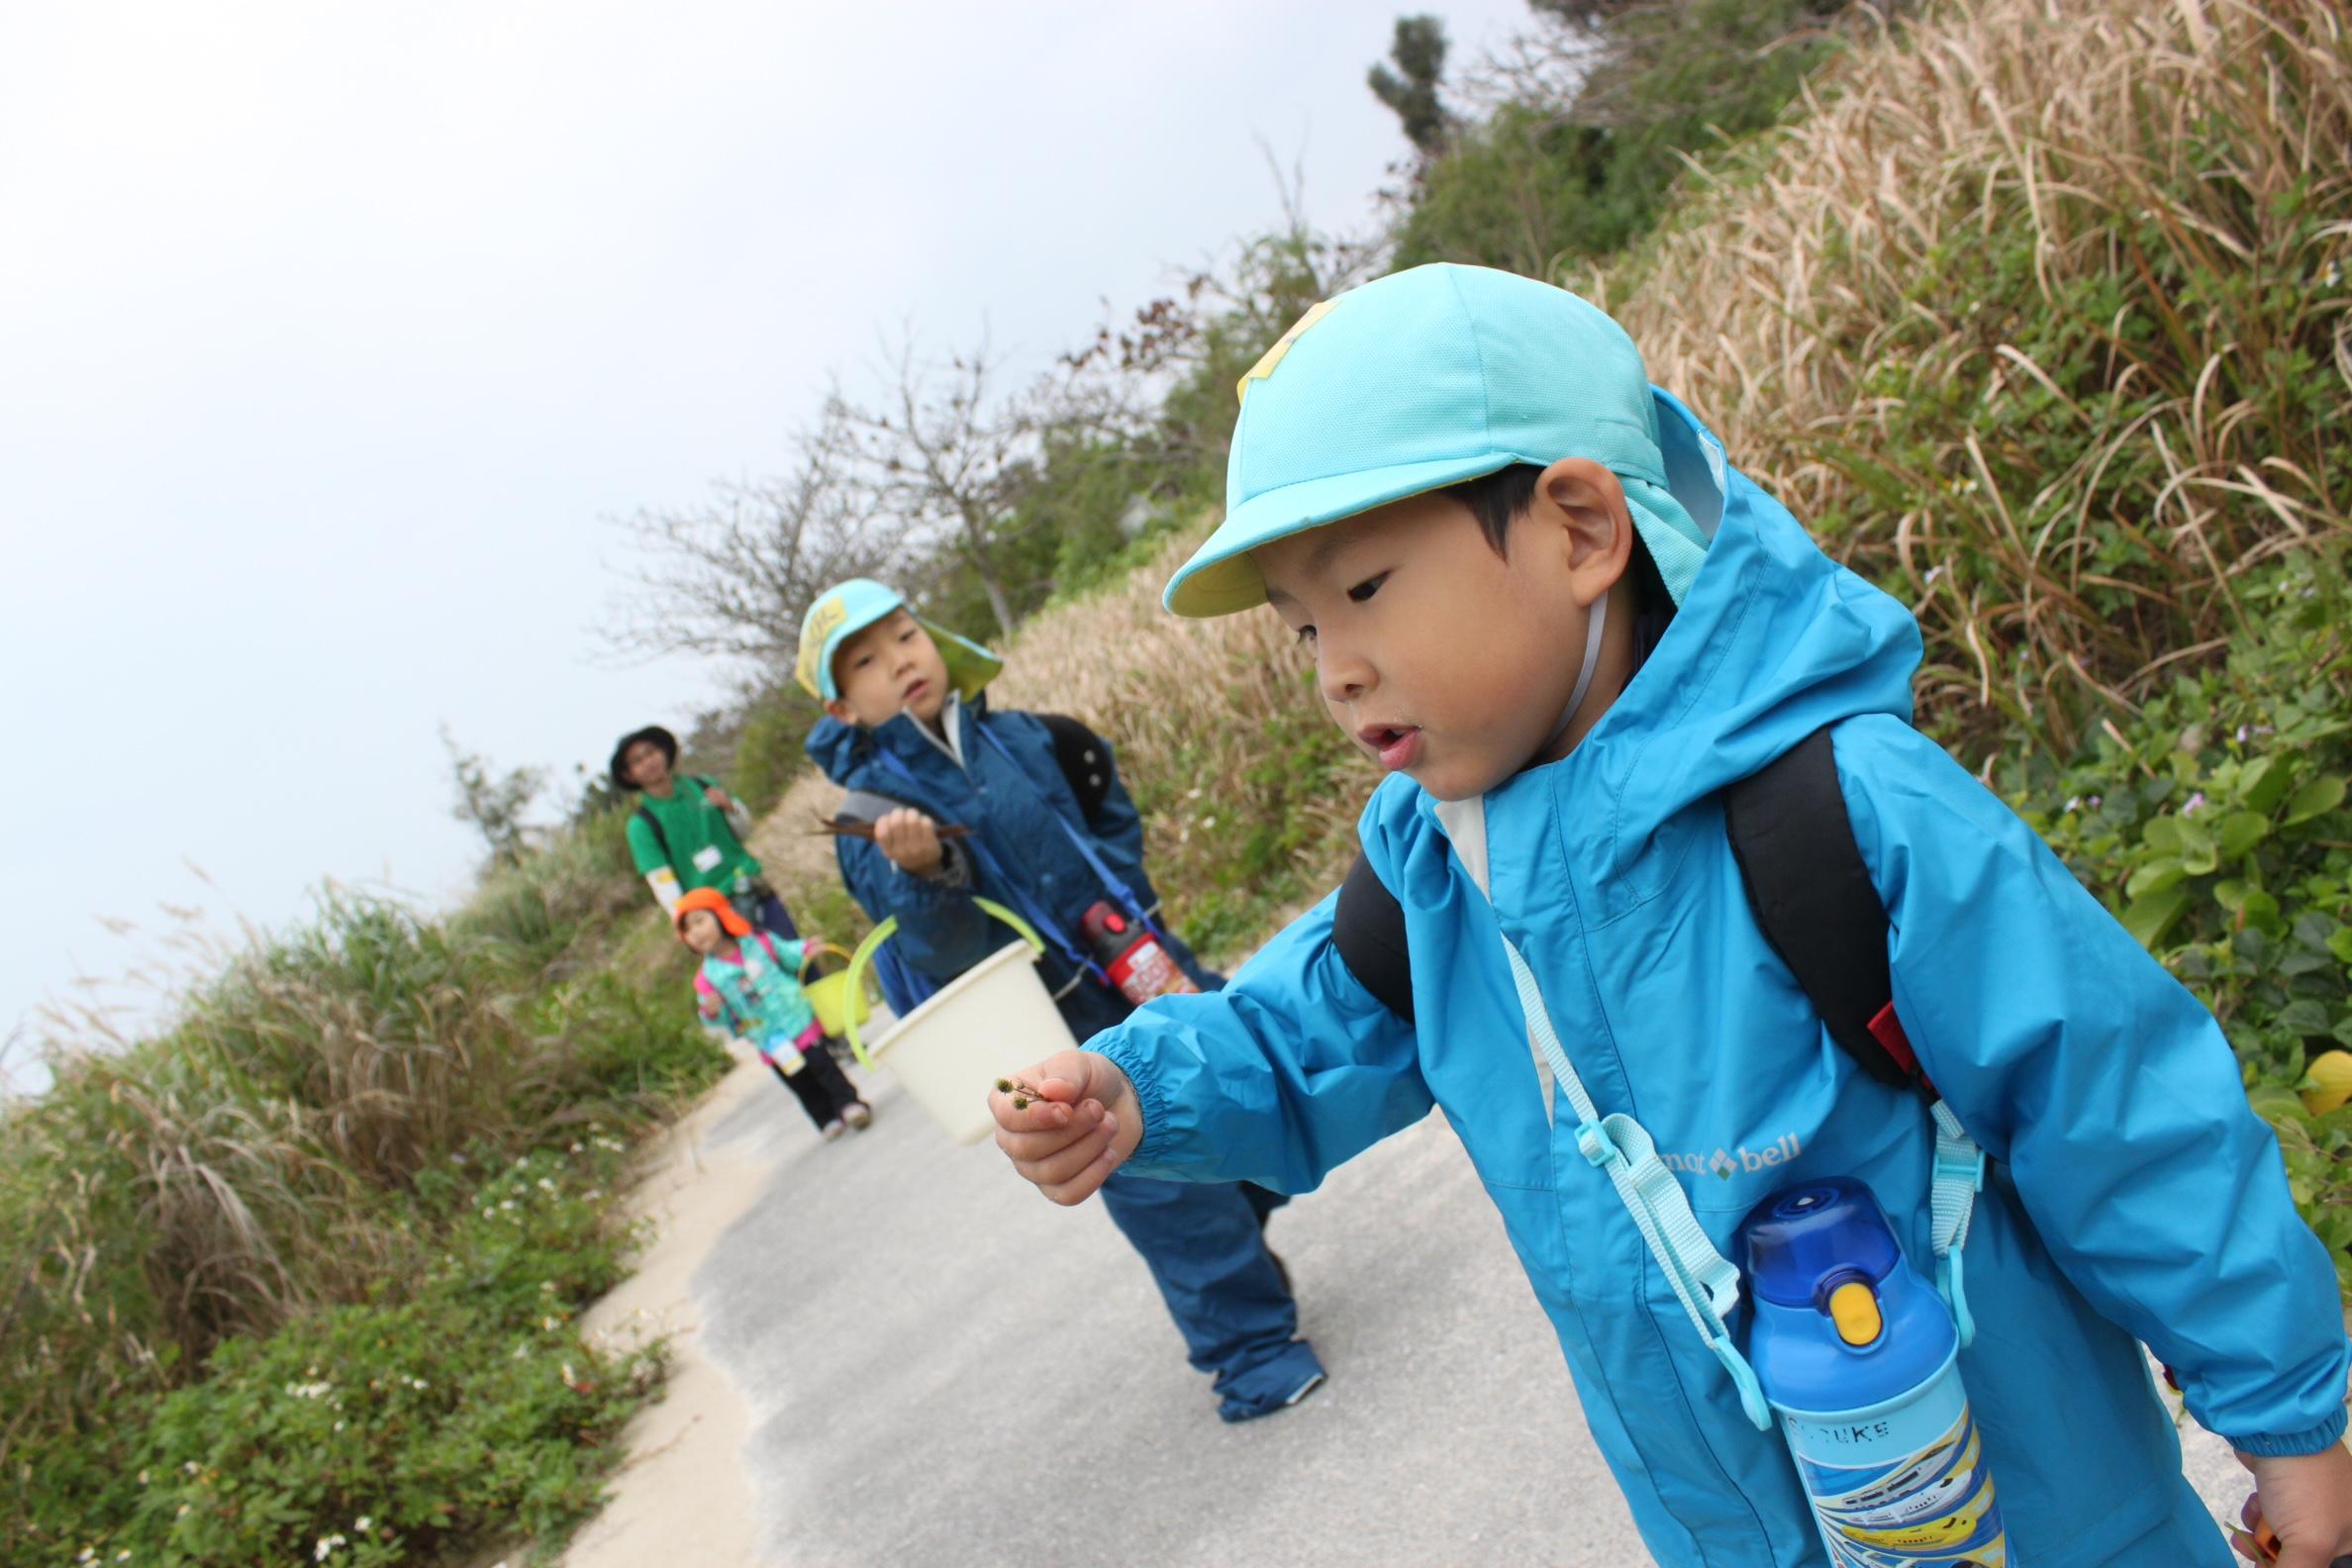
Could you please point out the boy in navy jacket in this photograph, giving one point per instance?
(907, 719)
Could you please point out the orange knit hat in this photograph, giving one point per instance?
(716, 902)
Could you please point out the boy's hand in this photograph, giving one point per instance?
(1081, 1126)
(2305, 1503)
(717, 797)
(911, 839)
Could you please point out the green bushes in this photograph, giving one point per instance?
(380, 1432)
(1541, 180)
(2214, 822)
(316, 1165)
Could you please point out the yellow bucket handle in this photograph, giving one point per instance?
(809, 949)
(882, 933)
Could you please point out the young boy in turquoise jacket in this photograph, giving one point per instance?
(1538, 597)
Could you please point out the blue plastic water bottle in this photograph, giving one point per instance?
(1859, 1356)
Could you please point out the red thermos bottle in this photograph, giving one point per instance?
(1131, 956)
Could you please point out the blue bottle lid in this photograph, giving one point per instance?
(1808, 1245)
(1802, 1242)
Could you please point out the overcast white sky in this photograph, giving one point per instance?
(330, 334)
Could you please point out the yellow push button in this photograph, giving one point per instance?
(1855, 1310)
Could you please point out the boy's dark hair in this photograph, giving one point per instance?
(1496, 499)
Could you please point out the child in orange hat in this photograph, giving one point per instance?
(752, 989)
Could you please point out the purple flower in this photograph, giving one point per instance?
(2189, 809)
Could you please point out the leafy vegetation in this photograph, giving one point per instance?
(314, 1254)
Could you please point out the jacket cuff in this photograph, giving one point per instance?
(1113, 1045)
(2280, 1446)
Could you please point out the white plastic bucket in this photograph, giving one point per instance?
(992, 1019)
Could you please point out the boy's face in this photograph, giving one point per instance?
(1441, 659)
(702, 931)
(890, 666)
(645, 764)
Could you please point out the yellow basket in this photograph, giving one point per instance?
(829, 994)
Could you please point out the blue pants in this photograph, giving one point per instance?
(1202, 1244)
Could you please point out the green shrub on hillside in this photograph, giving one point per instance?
(1540, 181)
(305, 1151)
(386, 1430)
(2214, 822)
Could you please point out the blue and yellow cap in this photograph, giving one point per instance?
(1422, 379)
(846, 609)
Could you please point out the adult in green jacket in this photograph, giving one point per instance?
(688, 832)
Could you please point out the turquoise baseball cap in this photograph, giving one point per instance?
(846, 609)
(1422, 379)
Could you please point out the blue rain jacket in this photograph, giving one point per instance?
(2132, 1194)
(1202, 1243)
(1021, 812)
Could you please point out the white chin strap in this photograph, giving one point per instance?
(1584, 675)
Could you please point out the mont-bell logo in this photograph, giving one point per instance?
(1726, 1164)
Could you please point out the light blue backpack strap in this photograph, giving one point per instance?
(1959, 1176)
(1705, 1281)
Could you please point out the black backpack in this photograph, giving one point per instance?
(1805, 882)
(644, 813)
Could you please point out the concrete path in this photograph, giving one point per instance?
(892, 1352)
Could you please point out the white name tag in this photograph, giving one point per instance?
(706, 858)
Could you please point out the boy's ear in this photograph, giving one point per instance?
(840, 710)
(1586, 503)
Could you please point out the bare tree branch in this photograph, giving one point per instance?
(732, 577)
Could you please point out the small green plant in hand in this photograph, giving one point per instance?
(1021, 1093)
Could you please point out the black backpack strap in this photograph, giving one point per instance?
(1368, 929)
(653, 826)
(644, 813)
(1084, 759)
(1813, 897)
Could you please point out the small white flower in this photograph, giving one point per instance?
(2071, 801)
(576, 1149)
(549, 1324)
(568, 1379)
(325, 1548)
(362, 1522)
(189, 1467)
(1207, 822)
(143, 1478)
(546, 1287)
(418, 1384)
(546, 1184)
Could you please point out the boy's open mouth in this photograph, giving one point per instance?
(914, 690)
(1396, 745)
